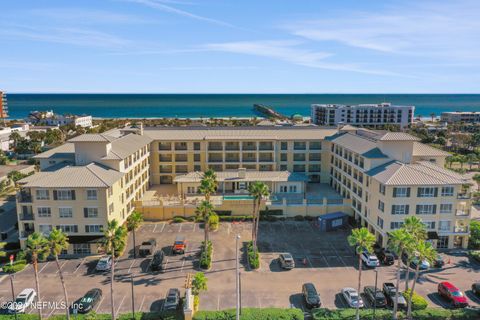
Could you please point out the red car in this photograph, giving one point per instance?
(453, 294)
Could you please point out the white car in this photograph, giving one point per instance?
(104, 264)
(370, 260)
(24, 300)
(351, 296)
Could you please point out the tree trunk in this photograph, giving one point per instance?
(134, 244)
(257, 209)
(407, 275)
(112, 275)
(397, 287)
(357, 312)
(37, 284)
(206, 228)
(62, 280)
(410, 296)
(254, 221)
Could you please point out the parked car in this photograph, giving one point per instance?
(286, 261)
(389, 291)
(157, 261)
(179, 245)
(104, 264)
(87, 302)
(370, 260)
(312, 298)
(23, 301)
(476, 288)
(147, 248)
(375, 296)
(352, 298)
(386, 257)
(452, 294)
(172, 300)
(424, 265)
(439, 261)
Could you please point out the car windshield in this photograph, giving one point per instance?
(171, 299)
(102, 262)
(86, 299)
(178, 242)
(20, 300)
(457, 294)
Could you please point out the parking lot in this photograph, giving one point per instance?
(324, 259)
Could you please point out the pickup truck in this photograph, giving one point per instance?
(389, 292)
(179, 245)
(147, 248)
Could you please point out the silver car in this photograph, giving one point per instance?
(104, 264)
(23, 301)
(286, 261)
(352, 297)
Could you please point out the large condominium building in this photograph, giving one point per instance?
(370, 115)
(82, 185)
(458, 116)
(3, 105)
(377, 177)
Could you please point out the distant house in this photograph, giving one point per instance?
(49, 118)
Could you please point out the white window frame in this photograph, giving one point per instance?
(61, 194)
(448, 194)
(396, 225)
(68, 228)
(89, 213)
(92, 196)
(428, 225)
(42, 214)
(396, 207)
(446, 204)
(447, 222)
(423, 205)
(89, 227)
(426, 194)
(46, 196)
(401, 192)
(65, 216)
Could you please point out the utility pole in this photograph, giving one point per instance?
(237, 276)
(375, 295)
(133, 297)
(13, 296)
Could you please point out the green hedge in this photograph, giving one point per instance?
(252, 314)
(253, 256)
(206, 255)
(475, 254)
(418, 302)
(274, 212)
(178, 219)
(235, 218)
(223, 212)
(383, 314)
(127, 316)
(17, 266)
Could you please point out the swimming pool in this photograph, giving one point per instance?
(238, 197)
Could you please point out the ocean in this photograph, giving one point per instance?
(221, 105)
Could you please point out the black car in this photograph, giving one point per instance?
(375, 297)
(476, 288)
(157, 261)
(312, 299)
(438, 262)
(87, 302)
(386, 257)
(147, 247)
(172, 300)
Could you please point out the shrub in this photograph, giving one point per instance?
(178, 219)
(214, 222)
(192, 218)
(269, 212)
(196, 302)
(349, 314)
(382, 314)
(223, 212)
(475, 254)
(206, 255)
(474, 240)
(17, 266)
(252, 314)
(310, 218)
(12, 246)
(299, 218)
(253, 256)
(270, 218)
(235, 218)
(418, 302)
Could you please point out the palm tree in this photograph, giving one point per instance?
(114, 237)
(205, 210)
(133, 222)
(37, 246)
(471, 158)
(399, 240)
(258, 190)
(208, 184)
(57, 242)
(422, 251)
(462, 159)
(476, 178)
(416, 229)
(362, 240)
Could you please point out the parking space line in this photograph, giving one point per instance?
(120, 305)
(131, 265)
(180, 229)
(326, 261)
(194, 225)
(165, 267)
(61, 266)
(163, 226)
(79, 265)
(141, 304)
(183, 263)
(155, 227)
(100, 303)
(218, 302)
(44, 266)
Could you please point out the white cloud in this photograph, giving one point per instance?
(437, 29)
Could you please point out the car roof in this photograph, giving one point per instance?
(172, 291)
(105, 258)
(350, 289)
(179, 238)
(26, 292)
(309, 285)
(449, 285)
(93, 291)
(286, 255)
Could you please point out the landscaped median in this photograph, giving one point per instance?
(385, 314)
(206, 255)
(252, 314)
(253, 256)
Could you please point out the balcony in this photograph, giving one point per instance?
(26, 216)
(24, 197)
(462, 212)
(26, 233)
(164, 147)
(249, 146)
(216, 160)
(165, 159)
(230, 146)
(263, 146)
(233, 159)
(180, 146)
(465, 195)
(460, 229)
(215, 146)
(249, 160)
(268, 159)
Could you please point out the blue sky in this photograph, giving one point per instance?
(232, 46)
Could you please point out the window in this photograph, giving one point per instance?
(81, 248)
(110, 208)
(283, 167)
(293, 189)
(90, 212)
(42, 194)
(196, 146)
(400, 209)
(93, 228)
(283, 189)
(444, 225)
(68, 228)
(396, 225)
(381, 206)
(298, 168)
(45, 229)
(299, 157)
(429, 224)
(92, 194)
(64, 194)
(283, 157)
(284, 145)
(426, 209)
(44, 212)
(196, 157)
(427, 192)
(442, 242)
(381, 189)
(65, 212)
(401, 192)
(446, 208)
(447, 191)
(380, 222)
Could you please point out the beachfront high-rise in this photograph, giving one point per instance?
(3, 106)
(368, 115)
(376, 177)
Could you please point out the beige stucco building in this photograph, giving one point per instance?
(378, 178)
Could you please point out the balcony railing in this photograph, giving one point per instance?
(462, 212)
(466, 195)
(215, 160)
(249, 160)
(24, 197)
(26, 233)
(26, 216)
(247, 147)
(460, 229)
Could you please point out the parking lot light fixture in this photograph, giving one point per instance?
(237, 277)
(375, 294)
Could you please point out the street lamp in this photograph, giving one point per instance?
(375, 294)
(237, 277)
(13, 296)
(133, 297)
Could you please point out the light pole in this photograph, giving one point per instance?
(133, 297)
(237, 277)
(375, 294)
(13, 296)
